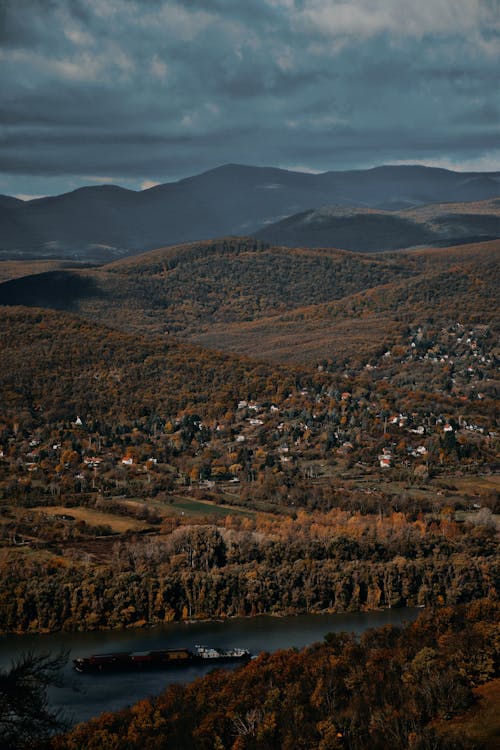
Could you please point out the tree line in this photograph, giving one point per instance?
(380, 691)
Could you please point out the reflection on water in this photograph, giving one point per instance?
(88, 695)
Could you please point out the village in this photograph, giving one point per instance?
(384, 434)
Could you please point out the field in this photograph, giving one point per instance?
(16, 269)
(187, 506)
(118, 524)
(481, 723)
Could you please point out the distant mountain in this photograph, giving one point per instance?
(370, 230)
(104, 222)
(6, 201)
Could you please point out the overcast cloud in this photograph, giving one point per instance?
(144, 91)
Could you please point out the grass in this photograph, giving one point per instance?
(118, 524)
(477, 484)
(15, 269)
(189, 507)
(481, 723)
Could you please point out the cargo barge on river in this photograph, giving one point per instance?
(173, 657)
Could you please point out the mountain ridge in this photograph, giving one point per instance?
(370, 230)
(103, 222)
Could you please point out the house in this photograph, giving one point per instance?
(385, 459)
(127, 460)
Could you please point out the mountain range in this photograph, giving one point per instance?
(99, 223)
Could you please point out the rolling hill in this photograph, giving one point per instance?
(103, 222)
(188, 289)
(370, 230)
(443, 286)
(285, 305)
(74, 366)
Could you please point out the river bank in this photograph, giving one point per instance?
(143, 625)
(85, 696)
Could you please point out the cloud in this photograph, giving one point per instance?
(404, 18)
(159, 68)
(147, 89)
(301, 168)
(485, 163)
(25, 197)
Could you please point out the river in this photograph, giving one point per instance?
(88, 695)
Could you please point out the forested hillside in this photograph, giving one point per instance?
(431, 288)
(384, 690)
(58, 366)
(329, 445)
(187, 288)
(290, 305)
(106, 434)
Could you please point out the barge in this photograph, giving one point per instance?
(162, 659)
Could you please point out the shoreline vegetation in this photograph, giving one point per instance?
(208, 620)
(54, 596)
(404, 684)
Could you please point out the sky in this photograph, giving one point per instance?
(140, 92)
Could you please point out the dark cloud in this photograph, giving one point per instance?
(141, 89)
(484, 114)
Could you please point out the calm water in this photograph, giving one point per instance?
(89, 695)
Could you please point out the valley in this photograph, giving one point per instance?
(374, 408)
(249, 375)
(228, 428)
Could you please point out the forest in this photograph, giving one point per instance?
(315, 432)
(145, 479)
(331, 562)
(392, 687)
